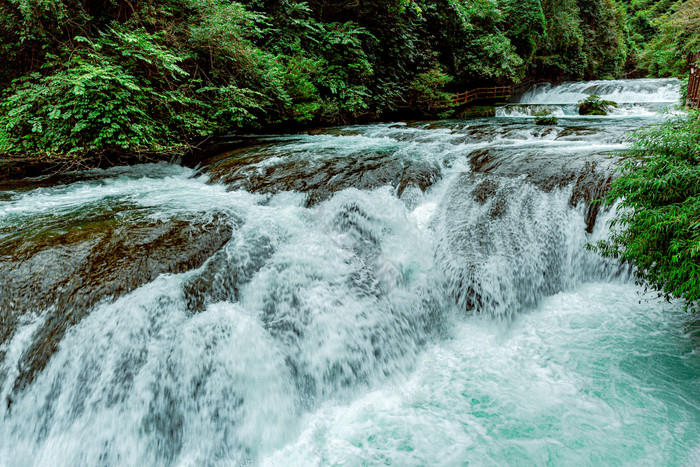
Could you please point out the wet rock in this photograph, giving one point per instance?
(543, 171)
(68, 271)
(545, 120)
(228, 270)
(421, 176)
(319, 179)
(484, 190)
(575, 133)
(591, 185)
(590, 174)
(594, 105)
(545, 132)
(475, 134)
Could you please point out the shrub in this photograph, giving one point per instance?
(90, 104)
(594, 105)
(5, 144)
(123, 91)
(657, 227)
(427, 93)
(544, 117)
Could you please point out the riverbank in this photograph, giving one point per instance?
(45, 169)
(405, 293)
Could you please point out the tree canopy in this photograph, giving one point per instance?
(96, 76)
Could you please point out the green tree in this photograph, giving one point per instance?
(679, 35)
(427, 94)
(657, 228)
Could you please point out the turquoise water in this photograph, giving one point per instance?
(405, 294)
(588, 377)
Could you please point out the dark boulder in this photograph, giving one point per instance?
(320, 179)
(65, 273)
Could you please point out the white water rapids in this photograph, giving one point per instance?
(634, 98)
(463, 324)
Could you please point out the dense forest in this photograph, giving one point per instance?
(110, 76)
(300, 232)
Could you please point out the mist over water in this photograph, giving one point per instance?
(399, 294)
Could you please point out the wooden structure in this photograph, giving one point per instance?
(692, 100)
(483, 94)
(497, 93)
(492, 94)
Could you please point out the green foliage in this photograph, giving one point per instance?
(345, 67)
(470, 41)
(427, 94)
(525, 25)
(603, 30)
(561, 51)
(661, 34)
(545, 117)
(685, 81)
(100, 76)
(478, 111)
(123, 90)
(593, 105)
(657, 227)
(324, 67)
(584, 39)
(5, 143)
(89, 104)
(678, 35)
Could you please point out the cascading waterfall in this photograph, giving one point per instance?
(505, 244)
(665, 91)
(407, 294)
(641, 98)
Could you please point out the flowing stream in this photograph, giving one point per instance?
(402, 294)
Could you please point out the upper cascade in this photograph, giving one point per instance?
(622, 91)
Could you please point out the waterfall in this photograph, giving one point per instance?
(624, 91)
(412, 293)
(642, 98)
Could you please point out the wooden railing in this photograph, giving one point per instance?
(501, 92)
(472, 95)
(493, 93)
(692, 100)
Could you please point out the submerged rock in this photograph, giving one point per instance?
(65, 272)
(319, 179)
(590, 175)
(594, 105)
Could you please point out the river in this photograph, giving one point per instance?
(398, 294)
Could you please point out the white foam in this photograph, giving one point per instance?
(625, 91)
